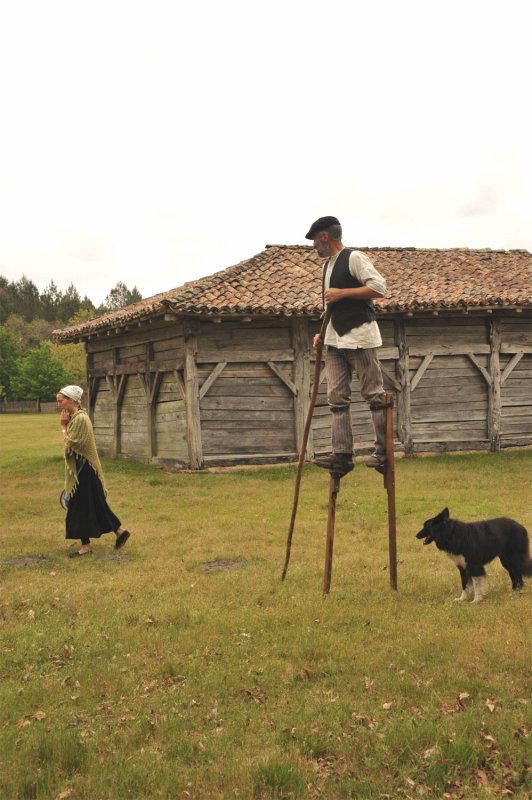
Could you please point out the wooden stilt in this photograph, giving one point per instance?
(304, 441)
(334, 488)
(389, 483)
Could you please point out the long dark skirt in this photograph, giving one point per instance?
(88, 514)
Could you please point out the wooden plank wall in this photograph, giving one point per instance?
(103, 418)
(449, 399)
(170, 422)
(246, 403)
(132, 421)
(189, 392)
(137, 398)
(516, 379)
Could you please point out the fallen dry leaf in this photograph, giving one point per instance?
(490, 704)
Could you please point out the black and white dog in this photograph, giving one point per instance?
(470, 545)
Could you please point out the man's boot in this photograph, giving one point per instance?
(340, 463)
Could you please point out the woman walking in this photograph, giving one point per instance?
(88, 515)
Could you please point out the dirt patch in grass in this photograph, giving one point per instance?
(222, 564)
(119, 557)
(25, 561)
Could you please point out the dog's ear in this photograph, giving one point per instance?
(445, 513)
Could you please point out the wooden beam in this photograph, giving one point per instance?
(109, 379)
(448, 350)
(388, 353)
(208, 382)
(156, 385)
(275, 369)
(121, 388)
(118, 387)
(300, 346)
(507, 348)
(153, 386)
(144, 379)
(494, 391)
(92, 387)
(513, 362)
(180, 383)
(391, 379)
(404, 411)
(194, 441)
(483, 371)
(421, 371)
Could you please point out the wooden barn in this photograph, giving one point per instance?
(218, 371)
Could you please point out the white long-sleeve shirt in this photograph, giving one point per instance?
(368, 334)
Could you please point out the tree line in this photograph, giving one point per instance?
(32, 367)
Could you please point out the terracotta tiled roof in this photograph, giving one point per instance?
(286, 280)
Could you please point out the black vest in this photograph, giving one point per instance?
(346, 314)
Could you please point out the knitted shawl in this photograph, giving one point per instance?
(80, 442)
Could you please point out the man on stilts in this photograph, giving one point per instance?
(349, 284)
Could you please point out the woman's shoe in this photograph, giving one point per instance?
(121, 539)
(77, 554)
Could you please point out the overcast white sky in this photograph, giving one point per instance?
(155, 142)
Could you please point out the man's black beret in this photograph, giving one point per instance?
(321, 224)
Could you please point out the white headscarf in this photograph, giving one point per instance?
(74, 393)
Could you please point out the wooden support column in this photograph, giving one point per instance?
(404, 421)
(150, 383)
(117, 385)
(111, 382)
(300, 346)
(90, 384)
(494, 387)
(192, 398)
(92, 392)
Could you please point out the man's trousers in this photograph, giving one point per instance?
(340, 365)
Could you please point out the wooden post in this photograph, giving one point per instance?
(92, 384)
(111, 382)
(404, 397)
(195, 447)
(389, 482)
(300, 346)
(494, 388)
(120, 383)
(334, 488)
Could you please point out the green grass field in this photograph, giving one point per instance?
(144, 674)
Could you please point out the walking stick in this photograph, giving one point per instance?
(312, 403)
(389, 482)
(334, 488)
